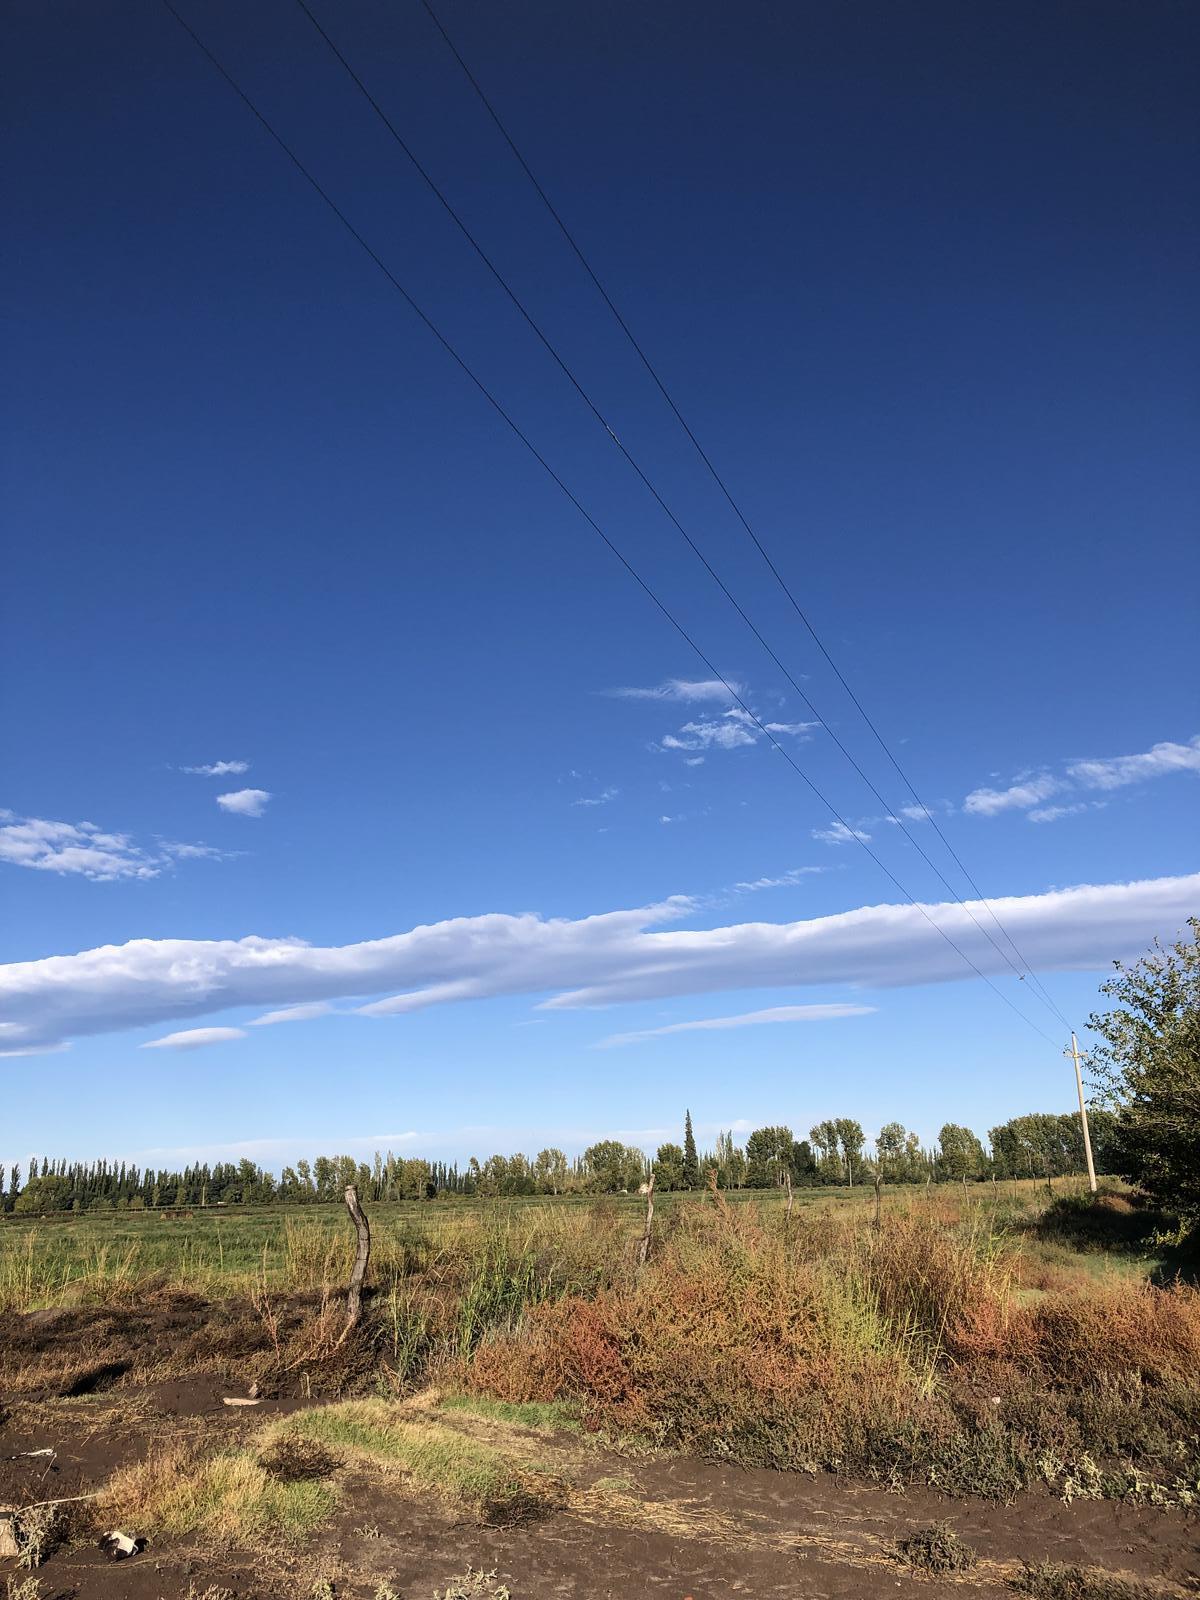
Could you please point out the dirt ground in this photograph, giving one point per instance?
(669, 1527)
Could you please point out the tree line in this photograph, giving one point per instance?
(836, 1152)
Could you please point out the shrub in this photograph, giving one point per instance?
(936, 1549)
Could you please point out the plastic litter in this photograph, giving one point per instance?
(119, 1546)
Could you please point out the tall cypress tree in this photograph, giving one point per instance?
(691, 1161)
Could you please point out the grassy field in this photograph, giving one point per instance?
(92, 1257)
(980, 1342)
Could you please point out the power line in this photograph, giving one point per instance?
(659, 383)
(577, 385)
(515, 427)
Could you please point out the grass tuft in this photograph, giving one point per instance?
(474, 1585)
(937, 1549)
(228, 1498)
(436, 1458)
(1052, 1580)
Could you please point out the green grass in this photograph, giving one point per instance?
(226, 1498)
(108, 1256)
(434, 1458)
(98, 1257)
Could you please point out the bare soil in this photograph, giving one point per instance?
(629, 1527)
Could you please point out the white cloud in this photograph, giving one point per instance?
(220, 769)
(195, 852)
(305, 1012)
(606, 959)
(685, 689)
(747, 1019)
(245, 802)
(734, 729)
(600, 799)
(1054, 813)
(83, 850)
(1020, 796)
(1157, 762)
(194, 1038)
(1113, 772)
(78, 849)
(793, 876)
(839, 833)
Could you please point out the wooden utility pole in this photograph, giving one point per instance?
(361, 1257)
(1073, 1052)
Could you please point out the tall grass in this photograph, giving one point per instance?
(901, 1350)
(923, 1346)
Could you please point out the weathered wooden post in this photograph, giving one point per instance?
(878, 1202)
(361, 1256)
(787, 1178)
(644, 1246)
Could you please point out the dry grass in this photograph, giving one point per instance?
(903, 1352)
(227, 1498)
(936, 1549)
(463, 1471)
(1050, 1580)
(964, 1342)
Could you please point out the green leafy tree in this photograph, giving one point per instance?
(768, 1156)
(1147, 1069)
(850, 1138)
(551, 1171)
(960, 1154)
(668, 1167)
(890, 1151)
(691, 1161)
(614, 1167)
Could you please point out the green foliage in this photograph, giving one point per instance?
(668, 1167)
(691, 1161)
(1148, 1067)
(615, 1168)
(960, 1154)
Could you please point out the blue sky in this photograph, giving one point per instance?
(922, 282)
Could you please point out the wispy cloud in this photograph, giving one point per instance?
(684, 689)
(601, 799)
(1157, 762)
(305, 1012)
(195, 852)
(1110, 772)
(599, 960)
(732, 730)
(84, 850)
(746, 1019)
(220, 769)
(1018, 797)
(839, 833)
(245, 802)
(794, 875)
(194, 1038)
(1055, 813)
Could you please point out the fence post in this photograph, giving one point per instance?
(644, 1246)
(361, 1257)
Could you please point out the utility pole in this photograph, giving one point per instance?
(1073, 1052)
